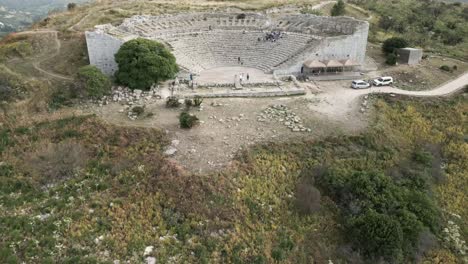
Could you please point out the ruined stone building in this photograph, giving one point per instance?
(199, 41)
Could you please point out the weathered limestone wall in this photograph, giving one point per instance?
(351, 47)
(101, 50)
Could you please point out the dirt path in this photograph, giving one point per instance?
(322, 4)
(446, 89)
(58, 46)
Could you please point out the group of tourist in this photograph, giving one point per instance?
(273, 36)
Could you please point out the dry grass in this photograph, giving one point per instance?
(54, 162)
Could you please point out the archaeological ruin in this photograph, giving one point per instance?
(273, 45)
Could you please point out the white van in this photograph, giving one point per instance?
(360, 84)
(383, 81)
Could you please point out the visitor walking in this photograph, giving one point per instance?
(241, 78)
(238, 60)
(248, 77)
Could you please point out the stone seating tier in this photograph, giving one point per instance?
(219, 48)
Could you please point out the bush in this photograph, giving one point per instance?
(197, 101)
(93, 82)
(391, 45)
(60, 98)
(374, 202)
(187, 120)
(188, 102)
(338, 9)
(377, 234)
(391, 59)
(143, 62)
(71, 6)
(307, 198)
(172, 102)
(6, 93)
(138, 110)
(240, 16)
(446, 68)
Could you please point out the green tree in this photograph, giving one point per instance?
(93, 82)
(143, 62)
(390, 45)
(71, 6)
(377, 234)
(391, 59)
(338, 9)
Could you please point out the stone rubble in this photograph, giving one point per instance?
(129, 99)
(171, 150)
(282, 114)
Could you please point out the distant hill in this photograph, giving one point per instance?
(15, 15)
(31, 5)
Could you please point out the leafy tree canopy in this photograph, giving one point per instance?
(143, 62)
(390, 45)
(338, 9)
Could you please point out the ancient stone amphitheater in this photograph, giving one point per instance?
(203, 41)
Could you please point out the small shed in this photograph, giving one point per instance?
(410, 56)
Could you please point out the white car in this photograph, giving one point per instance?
(360, 84)
(383, 81)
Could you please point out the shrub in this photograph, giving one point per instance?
(172, 102)
(338, 9)
(93, 82)
(197, 101)
(187, 120)
(446, 68)
(377, 234)
(452, 37)
(391, 45)
(391, 59)
(138, 110)
(55, 162)
(71, 6)
(307, 198)
(6, 93)
(188, 102)
(60, 98)
(240, 16)
(375, 201)
(454, 67)
(143, 62)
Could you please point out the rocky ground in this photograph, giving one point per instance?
(227, 125)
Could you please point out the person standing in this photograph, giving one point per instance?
(248, 77)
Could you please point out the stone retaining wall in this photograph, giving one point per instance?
(250, 94)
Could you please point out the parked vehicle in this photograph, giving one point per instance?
(382, 81)
(360, 84)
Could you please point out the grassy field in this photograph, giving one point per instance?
(76, 187)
